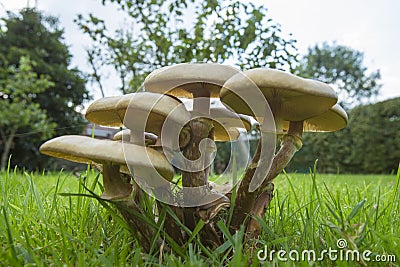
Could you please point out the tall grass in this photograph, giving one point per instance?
(44, 223)
(315, 211)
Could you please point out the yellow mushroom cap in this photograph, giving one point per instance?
(102, 112)
(140, 112)
(291, 98)
(153, 109)
(182, 80)
(83, 149)
(332, 120)
(227, 124)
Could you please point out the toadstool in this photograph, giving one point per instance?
(292, 100)
(332, 120)
(199, 81)
(111, 155)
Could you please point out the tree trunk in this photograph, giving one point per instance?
(8, 140)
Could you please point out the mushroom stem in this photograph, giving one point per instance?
(290, 144)
(114, 187)
(137, 137)
(201, 128)
(170, 225)
(259, 209)
(141, 229)
(184, 136)
(246, 200)
(201, 101)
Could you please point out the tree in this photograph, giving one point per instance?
(17, 110)
(342, 67)
(375, 138)
(40, 38)
(162, 33)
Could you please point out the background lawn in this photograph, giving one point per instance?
(42, 225)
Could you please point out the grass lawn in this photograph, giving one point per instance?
(42, 224)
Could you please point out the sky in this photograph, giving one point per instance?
(370, 26)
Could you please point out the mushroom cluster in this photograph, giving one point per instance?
(162, 136)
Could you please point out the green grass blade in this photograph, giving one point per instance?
(356, 209)
(10, 237)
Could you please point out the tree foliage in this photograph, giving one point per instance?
(38, 37)
(369, 144)
(17, 109)
(175, 31)
(345, 151)
(342, 67)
